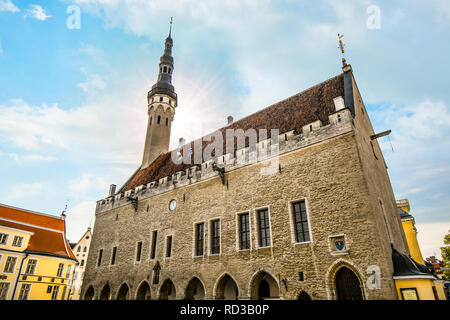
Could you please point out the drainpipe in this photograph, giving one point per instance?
(18, 275)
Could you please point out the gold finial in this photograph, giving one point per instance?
(341, 46)
(170, 30)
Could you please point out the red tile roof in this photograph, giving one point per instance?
(49, 231)
(290, 114)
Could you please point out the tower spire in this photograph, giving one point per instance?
(162, 101)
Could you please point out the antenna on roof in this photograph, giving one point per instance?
(341, 46)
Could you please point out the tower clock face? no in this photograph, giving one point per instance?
(172, 205)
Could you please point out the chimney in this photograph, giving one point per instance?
(230, 120)
(112, 190)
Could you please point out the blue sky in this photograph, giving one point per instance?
(73, 101)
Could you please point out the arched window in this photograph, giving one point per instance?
(165, 69)
(159, 119)
(84, 249)
(167, 121)
(79, 249)
(151, 118)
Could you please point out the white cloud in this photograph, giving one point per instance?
(431, 237)
(94, 82)
(28, 157)
(86, 185)
(37, 12)
(78, 219)
(25, 190)
(7, 5)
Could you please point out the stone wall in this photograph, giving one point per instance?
(326, 172)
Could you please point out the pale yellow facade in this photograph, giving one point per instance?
(26, 276)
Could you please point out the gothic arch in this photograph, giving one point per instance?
(333, 271)
(143, 292)
(89, 294)
(105, 294)
(226, 288)
(303, 296)
(195, 290)
(124, 292)
(167, 290)
(264, 286)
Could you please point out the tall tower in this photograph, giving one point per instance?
(162, 101)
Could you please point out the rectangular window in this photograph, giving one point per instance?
(17, 241)
(215, 237)
(169, 247)
(113, 256)
(31, 266)
(154, 239)
(138, 251)
(4, 287)
(199, 237)
(82, 263)
(55, 292)
(100, 254)
(10, 264)
(264, 228)
(60, 270)
(49, 289)
(244, 231)
(24, 291)
(69, 268)
(301, 222)
(63, 296)
(3, 238)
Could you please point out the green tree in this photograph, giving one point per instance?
(445, 251)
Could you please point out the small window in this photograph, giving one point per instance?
(69, 268)
(31, 266)
(79, 249)
(3, 238)
(55, 292)
(167, 121)
(199, 237)
(310, 127)
(99, 261)
(151, 118)
(244, 231)
(84, 249)
(159, 119)
(215, 237)
(264, 228)
(82, 263)
(165, 69)
(113, 256)
(4, 287)
(300, 222)
(17, 241)
(10, 264)
(160, 99)
(138, 251)
(154, 239)
(24, 291)
(169, 247)
(60, 270)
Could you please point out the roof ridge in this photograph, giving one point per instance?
(31, 211)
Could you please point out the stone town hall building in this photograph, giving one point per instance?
(324, 225)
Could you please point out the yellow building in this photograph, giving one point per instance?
(413, 279)
(36, 262)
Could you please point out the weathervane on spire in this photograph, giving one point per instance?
(170, 29)
(341, 46)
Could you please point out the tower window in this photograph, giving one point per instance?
(170, 70)
(199, 235)
(159, 119)
(165, 69)
(167, 121)
(151, 118)
(215, 237)
(161, 99)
